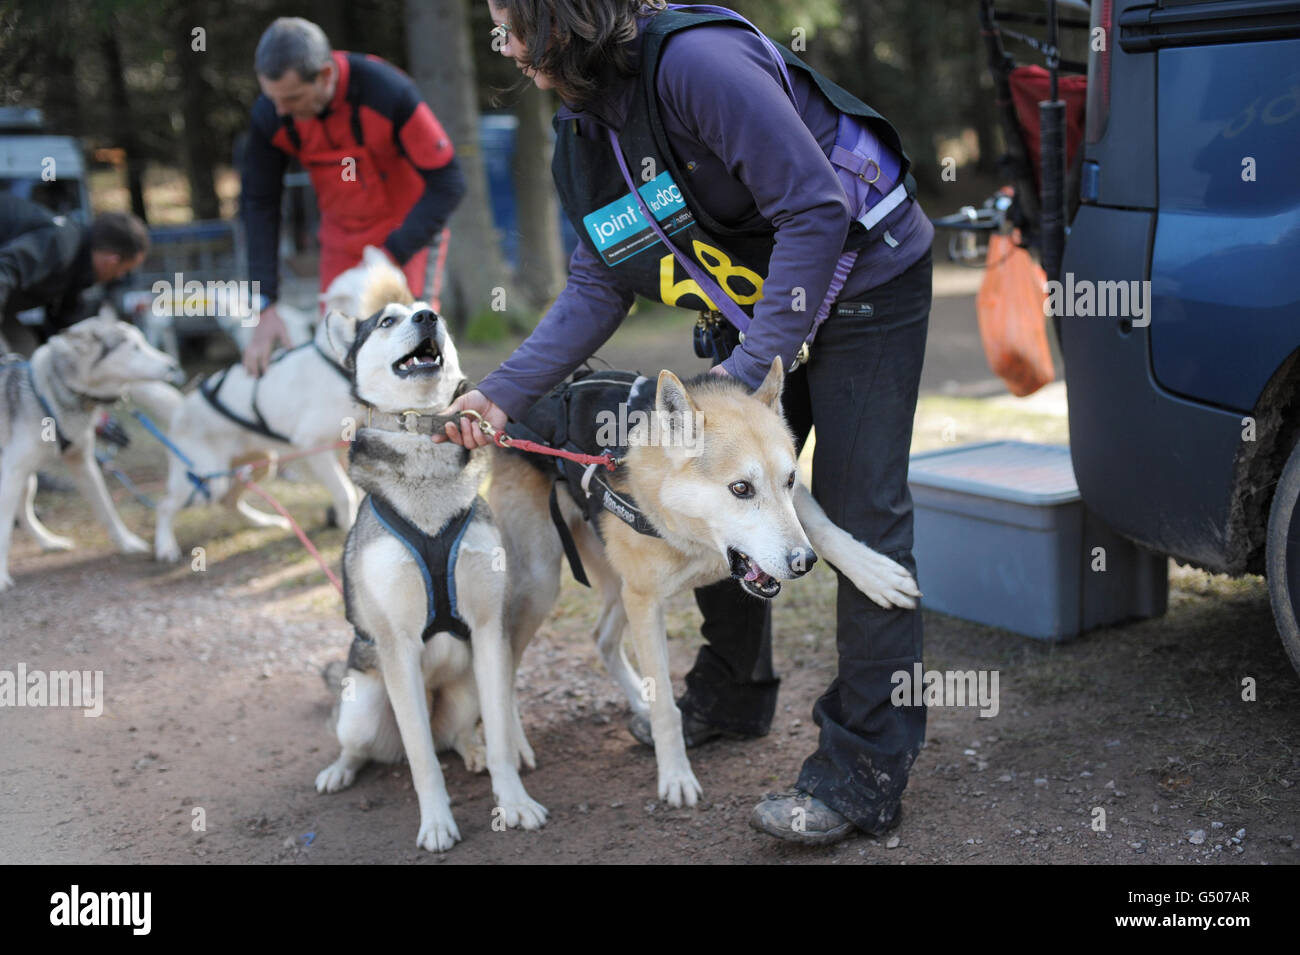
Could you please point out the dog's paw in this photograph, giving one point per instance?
(131, 544)
(334, 777)
(439, 833)
(167, 553)
(885, 581)
(473, 751)
(525, 758)
(56, 543)
(522, 812)
(475, 757)
(680, 789)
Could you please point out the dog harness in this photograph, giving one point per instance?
(62, 438)
(210, 387)
(64, 441)
(435, 555)
(572, 416)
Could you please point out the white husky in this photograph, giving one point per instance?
(302, 402)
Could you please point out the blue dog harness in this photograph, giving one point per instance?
(435, 555)
(62, 438)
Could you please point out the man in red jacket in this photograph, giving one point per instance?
(382, 167)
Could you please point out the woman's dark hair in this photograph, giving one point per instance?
(580, 44)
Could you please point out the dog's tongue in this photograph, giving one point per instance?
(753, 573)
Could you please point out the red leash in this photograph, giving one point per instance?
(503, 440)
(244, 474)
(439, 267)
(302, 536)
(500, 438)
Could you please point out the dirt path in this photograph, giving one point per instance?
(213, 702)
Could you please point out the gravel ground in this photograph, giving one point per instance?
(215, 714)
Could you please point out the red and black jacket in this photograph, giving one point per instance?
(382, 167)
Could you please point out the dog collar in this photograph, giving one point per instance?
(410, 421)
(415, 421)
(88, 400)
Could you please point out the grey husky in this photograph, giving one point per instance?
(425, 587)
(48, 409)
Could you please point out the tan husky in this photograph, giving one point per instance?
(712, 469)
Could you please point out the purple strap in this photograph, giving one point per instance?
(724, 302)
(732, 14)
(721, 299)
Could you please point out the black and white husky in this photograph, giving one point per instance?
(425, 587)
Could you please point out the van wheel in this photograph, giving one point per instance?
(1283, 556)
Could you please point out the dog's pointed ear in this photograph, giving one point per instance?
(82, 330)
(671, 396)
(769, 392)
(336, 326)
(67, 352)
(680, 421)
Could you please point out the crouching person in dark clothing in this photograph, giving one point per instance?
(48, 261)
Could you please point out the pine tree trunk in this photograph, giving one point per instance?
(918, 46)
(541, 269)
(196, 96)
(442, 65)
(121, 105)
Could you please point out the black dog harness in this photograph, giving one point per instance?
(211, 386)
(435, 555)
(571, 417)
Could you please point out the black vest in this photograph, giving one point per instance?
(595, 196)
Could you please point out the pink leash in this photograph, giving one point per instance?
(244, 474)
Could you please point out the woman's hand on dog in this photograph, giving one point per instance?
(469, 434)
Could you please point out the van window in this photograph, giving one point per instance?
(62, 196)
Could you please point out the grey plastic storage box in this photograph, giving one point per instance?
(1003, 538)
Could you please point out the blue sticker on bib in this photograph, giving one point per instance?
(619, 231)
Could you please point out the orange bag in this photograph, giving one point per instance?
(1012, 322)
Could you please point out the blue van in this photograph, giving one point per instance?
(1167, 199)
(1184, 424)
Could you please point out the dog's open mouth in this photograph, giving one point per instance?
(425, 359)
(751, 576)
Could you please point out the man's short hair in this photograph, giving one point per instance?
(292, 43)
(119, 232)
